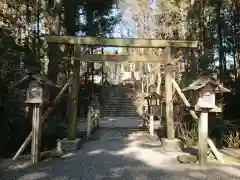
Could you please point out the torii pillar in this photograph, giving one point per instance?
(170, 143)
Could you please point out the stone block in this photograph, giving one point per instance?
(171, 144)
(187, 159)
(70, 145)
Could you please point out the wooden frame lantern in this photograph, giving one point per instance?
(206, 87)
(153, 100)
(34, 93)
(38, 89)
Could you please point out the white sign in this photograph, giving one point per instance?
(206, 99)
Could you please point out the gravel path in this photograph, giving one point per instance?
(124, 155)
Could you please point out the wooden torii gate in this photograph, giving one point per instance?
(166, 59)
(72, 84)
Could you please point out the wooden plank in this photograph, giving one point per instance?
(216, 109)
(215, 151)
(118, 58)
(120, 42)
(182, 96)
(89, 122)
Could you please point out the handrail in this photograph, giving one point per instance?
(93, 116)
(149, 122)
(43, 118)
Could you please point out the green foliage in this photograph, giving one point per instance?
(54, 127)
(232, 139)
(17, 56)
(13, 125)
(99, 19)
(189, 133)
(72, 15)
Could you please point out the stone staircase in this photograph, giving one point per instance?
(121, 102)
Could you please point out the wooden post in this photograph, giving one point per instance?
(221, 128)
(151, 124)
(102, 68)
(89, 122)
(147, 83)
(168, 92)
(143, 119)
(36, 138)
(98, 113)
(161, 109)
(203, 137)
(73, 99)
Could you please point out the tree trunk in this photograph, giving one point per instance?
(54, 48)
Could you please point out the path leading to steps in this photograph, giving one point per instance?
(124, 153)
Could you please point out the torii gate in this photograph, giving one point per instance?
(77, 42)
(166, 59)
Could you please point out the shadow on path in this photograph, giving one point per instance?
(122, 154)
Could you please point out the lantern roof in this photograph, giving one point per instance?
(203, 81)
(41, 79)
(154, 95)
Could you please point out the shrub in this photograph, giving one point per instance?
(189, 133)
(232, 139)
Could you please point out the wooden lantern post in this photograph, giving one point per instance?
(36, 138)
(206, 102)
(35, 99)
(203, 136)
(152, 109)
(206, 87)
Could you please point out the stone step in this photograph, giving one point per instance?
(118, 102)
(120, 105)
(122, 101)
(126, 106)
(119, 108)
(121, 115)
(127, 112)
(119, 112)
(113, 115)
